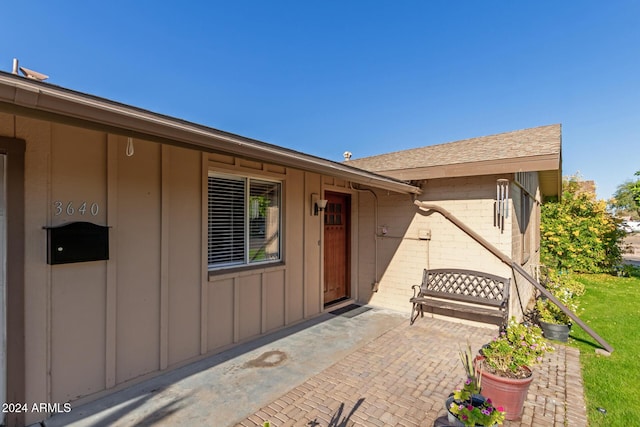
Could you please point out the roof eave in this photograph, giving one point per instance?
(549, 164)
(487, 167)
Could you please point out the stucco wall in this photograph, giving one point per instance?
(95, 327)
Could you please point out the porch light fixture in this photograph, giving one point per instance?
(318, 204)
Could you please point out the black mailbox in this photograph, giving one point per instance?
(77, 242)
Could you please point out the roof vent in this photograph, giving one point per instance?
(34, 75)
(347, 155)
(30, 74)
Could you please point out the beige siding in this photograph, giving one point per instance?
(221, 314)
(526, 241)
(37, 274)
(312, 297)
(184, 254)
(273, 311)
(77, 291)
(249, 291)
(77, 331)
(296, 219)
(97, 326)
(260, 300)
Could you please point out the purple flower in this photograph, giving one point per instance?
(488, 401)
(469, 407)
(486, 412)
(468, 381)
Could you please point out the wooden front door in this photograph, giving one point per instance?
(336, 247)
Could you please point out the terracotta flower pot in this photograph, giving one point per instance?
(510, 393)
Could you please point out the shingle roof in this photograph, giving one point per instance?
(538, 141)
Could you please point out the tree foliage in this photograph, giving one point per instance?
(635, 190)
(626, 199)
(578, 233)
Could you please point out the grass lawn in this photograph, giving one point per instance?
(611, 307)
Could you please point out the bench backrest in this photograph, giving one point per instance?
(466, 285)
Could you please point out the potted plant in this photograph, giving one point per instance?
(554, 322)
(506, 363)
(466, 406)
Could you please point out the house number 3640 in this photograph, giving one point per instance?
(69, 208)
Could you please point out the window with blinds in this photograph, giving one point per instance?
(243, 221)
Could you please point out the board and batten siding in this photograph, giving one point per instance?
(94, 327)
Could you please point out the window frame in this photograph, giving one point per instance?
(246, 178)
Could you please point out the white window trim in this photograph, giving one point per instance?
(247, 178)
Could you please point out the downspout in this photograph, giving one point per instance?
(374, 285)
(508, 261)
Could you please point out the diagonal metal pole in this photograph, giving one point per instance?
(507, 260)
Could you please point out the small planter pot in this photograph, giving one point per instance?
(555, 332)
(476, 400)
(510, 393)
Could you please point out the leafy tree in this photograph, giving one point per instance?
(578, 233)
(626, 199)
(635, 190)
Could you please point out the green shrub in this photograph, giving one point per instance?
(628, 270)
(520, 345)
(566, 288)
(577, 233)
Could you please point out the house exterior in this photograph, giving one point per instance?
(494, 185)
(134, 243)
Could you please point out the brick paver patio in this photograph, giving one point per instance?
(403, 377)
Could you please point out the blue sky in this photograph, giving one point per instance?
(370, 76)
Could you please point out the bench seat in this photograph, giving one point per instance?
(464, 294)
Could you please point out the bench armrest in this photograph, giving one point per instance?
(416, 290)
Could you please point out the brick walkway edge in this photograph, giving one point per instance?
(403, 377)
